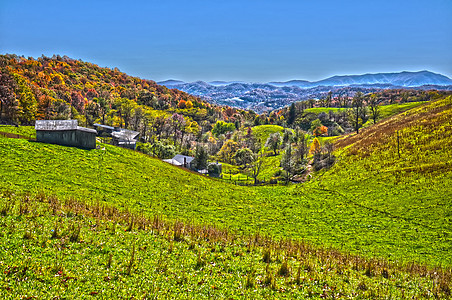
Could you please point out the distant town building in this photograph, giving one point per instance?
(120, 137)
(66, 133)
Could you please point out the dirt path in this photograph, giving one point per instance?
(13, 135)
(305, 176)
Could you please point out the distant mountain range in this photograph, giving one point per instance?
(273, 95)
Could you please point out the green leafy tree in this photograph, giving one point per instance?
(162, 151)
(302, 149)
(127, 109)
(292, 114)
(287, 136)
(243, 157)
(200, 160)
(329, 99)
(222, 127)
(274, 142)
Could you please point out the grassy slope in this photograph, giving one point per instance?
(262, 132)
(385, 110)
(415, 188)
(393, 109)
(25, 131)
(379, 211)
(68, 250)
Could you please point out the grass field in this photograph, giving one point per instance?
(25, 131)
(67, 249)
(262, 132)
(385, 110)
(393, 109)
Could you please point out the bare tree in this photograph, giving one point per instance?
(374, 107)
(255, 167)
(357, 111)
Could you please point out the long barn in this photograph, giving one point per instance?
(66, 133)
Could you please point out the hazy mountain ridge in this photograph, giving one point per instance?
(273, 95)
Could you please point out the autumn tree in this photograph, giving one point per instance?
(27, 101)
(318, 129)
(182, 104)
(315, 149)
(9, 105)
(227, 151)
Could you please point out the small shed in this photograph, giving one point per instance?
(104, 129)
(180, 160)
(66, 133)
(173, 162)
(120, 136)
(125, 138)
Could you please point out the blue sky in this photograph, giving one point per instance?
(254, 41)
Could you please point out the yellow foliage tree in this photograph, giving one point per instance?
(315, 147)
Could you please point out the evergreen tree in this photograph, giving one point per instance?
(292, 114)
(200, 160)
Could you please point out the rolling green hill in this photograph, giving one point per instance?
(372, 203)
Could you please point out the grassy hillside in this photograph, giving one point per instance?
(387, 110)
(67, 249)
(375, 205)
(262, 132)
(24, 131)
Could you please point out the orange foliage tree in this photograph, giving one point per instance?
(321, 131)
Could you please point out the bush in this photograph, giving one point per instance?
(214, 169)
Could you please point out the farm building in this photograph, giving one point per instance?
(66, 133)
(120, 136)
(180, 160)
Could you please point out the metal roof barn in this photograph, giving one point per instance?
(66, 133)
